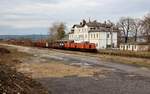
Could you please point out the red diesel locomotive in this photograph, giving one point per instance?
(70, 45)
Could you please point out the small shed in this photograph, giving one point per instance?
(135, 46)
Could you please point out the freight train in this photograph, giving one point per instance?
(65, 45)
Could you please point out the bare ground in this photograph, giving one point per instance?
(67, 73)
(13, 82)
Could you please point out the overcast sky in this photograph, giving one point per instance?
(35, 16)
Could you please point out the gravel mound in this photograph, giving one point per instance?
(4, 51)
(12, 82)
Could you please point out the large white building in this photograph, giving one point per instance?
(104, 35)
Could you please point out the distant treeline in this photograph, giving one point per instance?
(22, 37)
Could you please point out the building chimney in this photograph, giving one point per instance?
(95, 21)
(83, 22)
(89, 19)
(105, 22)
(80, 23)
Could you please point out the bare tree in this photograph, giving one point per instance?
(57, 31)
(112, 25)
(135, 27)
(145, 25)
(125, 25)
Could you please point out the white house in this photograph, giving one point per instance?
(135, 47)
(102, 34)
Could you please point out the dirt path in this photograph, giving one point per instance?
(118, 78)
(82, 60)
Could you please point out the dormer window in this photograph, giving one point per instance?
(92, 28)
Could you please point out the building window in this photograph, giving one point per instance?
(94, 36)
(107, 35)
(92, 28)
(97, 35)
(123, 47)
(127, 47)
(108, 46)
(132, 47)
